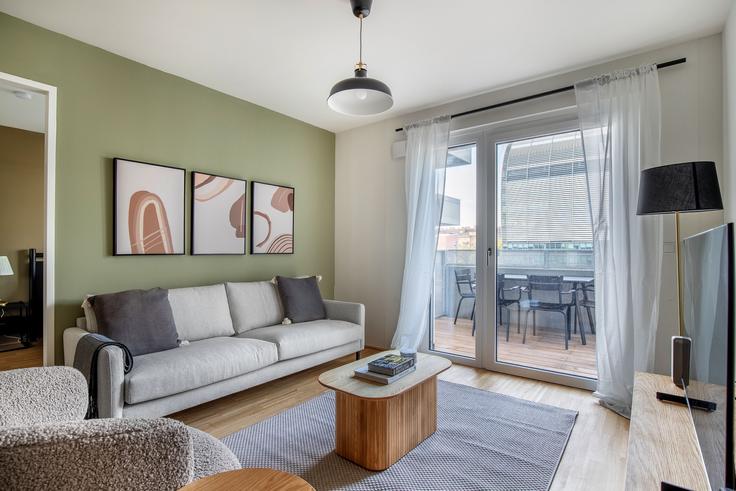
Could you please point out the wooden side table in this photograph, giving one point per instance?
(14, 321)
(252, 479)
(375, 424)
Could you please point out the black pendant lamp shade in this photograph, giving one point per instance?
(685, 187)
(360, 95)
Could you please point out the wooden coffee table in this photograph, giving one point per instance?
(253, 479)
(376, 424)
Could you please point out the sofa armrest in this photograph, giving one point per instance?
(71, 338)
(97, 454)
(110, 374)
(345, 311)
(110, 382)
(42, 395)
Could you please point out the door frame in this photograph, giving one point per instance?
(562, 121)
(49, 91)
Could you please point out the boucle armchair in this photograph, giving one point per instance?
(46, 444)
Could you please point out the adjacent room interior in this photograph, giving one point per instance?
(22, 164)
(358, 245)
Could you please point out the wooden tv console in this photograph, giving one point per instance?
(663, 445)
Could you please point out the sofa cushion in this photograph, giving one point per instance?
(254, 304)
(194, 365)
(305, 338)
(140, 319)
(301, 299)
(201, 312)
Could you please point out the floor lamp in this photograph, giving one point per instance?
(679, 188)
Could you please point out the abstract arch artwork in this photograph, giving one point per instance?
(148, 216)
(218, 214)
(272, 219)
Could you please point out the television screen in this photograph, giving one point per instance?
(708, 314)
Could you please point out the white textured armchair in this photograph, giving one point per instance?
(46, 444)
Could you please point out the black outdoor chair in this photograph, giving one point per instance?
(466, 288)
(549, 286)
(505, 299)
(587, 302)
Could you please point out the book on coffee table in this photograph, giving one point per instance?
(366, 374)
(391, 364)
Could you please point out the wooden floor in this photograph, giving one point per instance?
(546, 350)
(22, 358)
(595, 457)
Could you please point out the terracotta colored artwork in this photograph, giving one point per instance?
(149, 209)
(218, 214)
(272, 220)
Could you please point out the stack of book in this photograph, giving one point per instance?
(387, 369)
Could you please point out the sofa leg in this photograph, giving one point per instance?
(357, 355)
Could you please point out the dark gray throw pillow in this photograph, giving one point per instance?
(140, 319)
(301, 299)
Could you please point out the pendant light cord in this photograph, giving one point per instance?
(360, 56)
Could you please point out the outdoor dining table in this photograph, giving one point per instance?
(575, 280)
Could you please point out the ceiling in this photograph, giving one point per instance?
(25, 114)
(286, 55)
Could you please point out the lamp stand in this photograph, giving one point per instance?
(680, 301)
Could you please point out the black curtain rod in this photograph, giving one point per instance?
(545, 94)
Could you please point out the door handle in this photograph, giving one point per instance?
(489, 254)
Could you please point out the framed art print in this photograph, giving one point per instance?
(218, 214)
(148, 215)
(272, 219)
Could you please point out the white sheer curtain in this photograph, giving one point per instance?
(426, 156)
(620, 119)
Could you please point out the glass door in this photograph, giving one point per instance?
(540, 269)
(454, 319)
(513, 274)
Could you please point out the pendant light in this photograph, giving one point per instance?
(360, 95)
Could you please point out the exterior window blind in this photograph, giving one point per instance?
(544, 194)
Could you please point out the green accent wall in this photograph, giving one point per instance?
(109, 106)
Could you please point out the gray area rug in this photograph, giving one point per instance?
(484, 441)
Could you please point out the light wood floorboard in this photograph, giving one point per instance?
(595, 457)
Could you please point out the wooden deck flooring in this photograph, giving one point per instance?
(546, 350)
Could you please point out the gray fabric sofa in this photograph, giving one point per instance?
(46, 444)
(231, 338)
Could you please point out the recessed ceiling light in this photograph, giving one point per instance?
(23, 94)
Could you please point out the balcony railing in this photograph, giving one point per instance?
(514, 262)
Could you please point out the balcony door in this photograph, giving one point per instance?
(541, 307)
(513, 275)
(454, 301)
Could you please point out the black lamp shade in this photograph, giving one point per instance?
(360, 95)
(685, 187)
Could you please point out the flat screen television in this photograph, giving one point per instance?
(708, 290)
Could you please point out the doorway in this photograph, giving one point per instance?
(27, 166)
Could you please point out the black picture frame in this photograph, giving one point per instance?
(253, 245)
(192, 230)
(115, 234)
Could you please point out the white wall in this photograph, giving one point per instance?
(369, 184)
(729, 115)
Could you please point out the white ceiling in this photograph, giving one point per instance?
(26, 114)
(286, 55)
